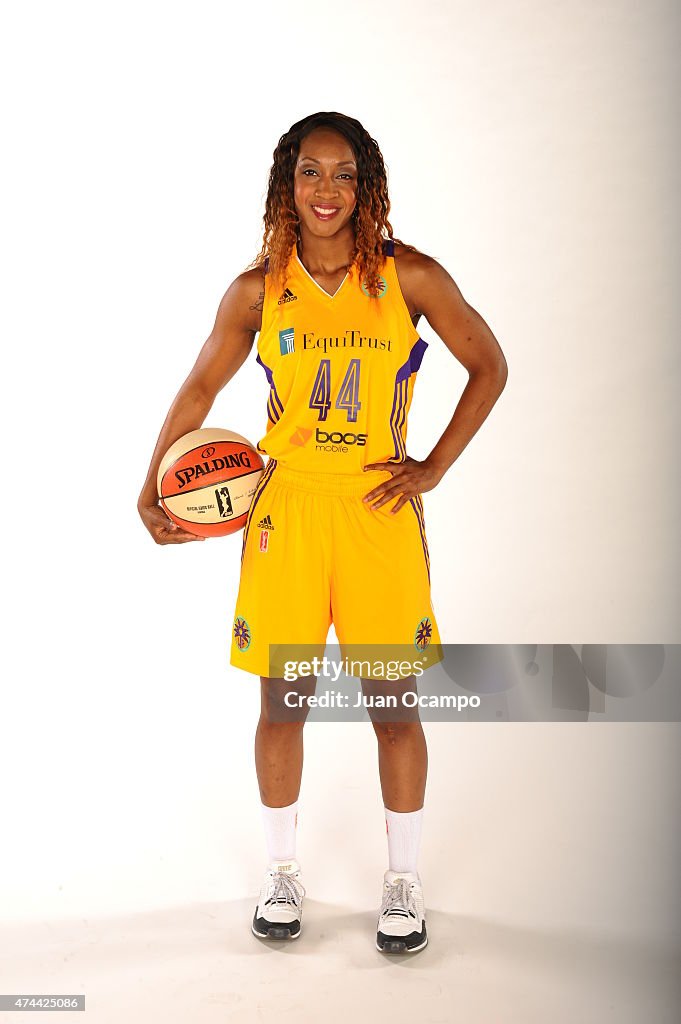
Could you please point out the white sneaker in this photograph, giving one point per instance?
(401, 922)
(280, 905)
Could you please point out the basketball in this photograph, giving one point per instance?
(206, 481)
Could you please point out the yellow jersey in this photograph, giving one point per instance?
(340, 369)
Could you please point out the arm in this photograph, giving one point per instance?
(223, 352)
(471, 341)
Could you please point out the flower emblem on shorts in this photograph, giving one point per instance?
(242, 633)
(423, 634)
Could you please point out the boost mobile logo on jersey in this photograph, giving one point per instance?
(337, 441)
(300, 436)
(286, 340)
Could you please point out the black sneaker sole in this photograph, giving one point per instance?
(263, 929)
(409, 944)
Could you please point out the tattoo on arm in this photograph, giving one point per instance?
(258, 303)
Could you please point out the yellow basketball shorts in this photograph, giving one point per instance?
(314, 553)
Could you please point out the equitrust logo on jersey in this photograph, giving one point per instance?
(349, 339)
(286, 296)
(286, 341)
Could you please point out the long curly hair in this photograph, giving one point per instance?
(369, 218)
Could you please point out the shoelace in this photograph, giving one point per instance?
(398, 901)
(285, 889)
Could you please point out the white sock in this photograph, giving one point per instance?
(404, 837)
(280, 831)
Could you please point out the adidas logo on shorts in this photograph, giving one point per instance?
(266, 523)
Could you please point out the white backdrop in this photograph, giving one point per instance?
(529, 149)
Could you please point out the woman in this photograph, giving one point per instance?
(336, 529)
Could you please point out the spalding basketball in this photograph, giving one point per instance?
(207, 479)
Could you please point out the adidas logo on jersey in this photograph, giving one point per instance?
(286, 296)
(266, 523)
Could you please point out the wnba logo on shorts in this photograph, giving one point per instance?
(264, 539)
(423, 634)
(242, 633)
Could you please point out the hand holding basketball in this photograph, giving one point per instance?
(206, 481)
(162, 528)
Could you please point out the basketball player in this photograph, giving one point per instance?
(336, 529)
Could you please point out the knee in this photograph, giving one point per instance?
(284, 704)
(276, 718)
(392, 734)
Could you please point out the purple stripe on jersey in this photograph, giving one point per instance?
(388, 247)
(422, 531)
(398, 415)
(413, 363)
(264, 480)
(402, 412)
(268, 371)
(276, 400)
(399, 407)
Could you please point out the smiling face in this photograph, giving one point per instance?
(325, 179)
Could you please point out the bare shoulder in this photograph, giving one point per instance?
(244, 298)
(416, 271)
(431, 291)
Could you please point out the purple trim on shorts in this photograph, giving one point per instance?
(266, 477)
(415, 503)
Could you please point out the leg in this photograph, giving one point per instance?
(279, 740)
(381, 589)
(279, 765)
(403, 764)
(402, 751)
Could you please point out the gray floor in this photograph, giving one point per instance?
(201, 964)
(550, 869)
